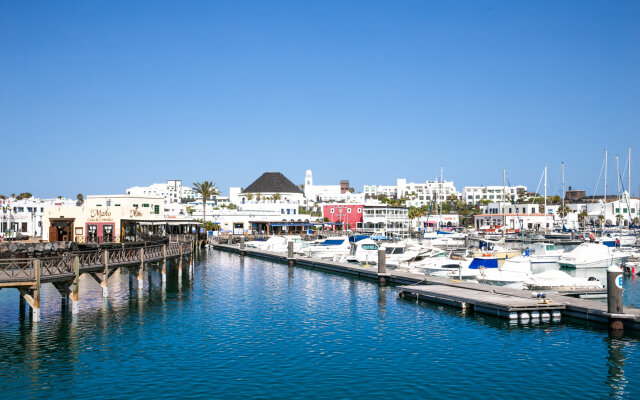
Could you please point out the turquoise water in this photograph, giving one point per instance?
(251, 328)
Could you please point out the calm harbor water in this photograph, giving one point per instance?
(251, 328)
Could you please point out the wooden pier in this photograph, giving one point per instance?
(494, 300)
(27, 275)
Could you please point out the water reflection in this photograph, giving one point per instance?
(616, 362)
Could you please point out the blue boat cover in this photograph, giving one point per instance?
(484, 262)
(332, 242)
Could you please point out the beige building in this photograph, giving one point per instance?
(111, 219)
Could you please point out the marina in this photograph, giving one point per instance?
(502, 302)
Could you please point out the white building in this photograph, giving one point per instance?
(172, 191)
(417, 194)
(26, 216)
(627, 208)
(515, 217)
(329, 193)
(383, 218)
(473, 194)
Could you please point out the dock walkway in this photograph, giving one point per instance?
(495, 300)
(64, 271)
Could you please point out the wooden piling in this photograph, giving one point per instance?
(105, 274)
(382, 266)
(141, 270)
(614, 297)
(36, 291)
(75, 286)
(164, 263)
(291, 260)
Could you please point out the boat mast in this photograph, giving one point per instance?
(563, 192)
(618, 175)
(504, 196)
(604, 204)
(440, 187)
(545, 198)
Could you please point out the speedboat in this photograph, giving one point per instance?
(338, 246)
(277, 244)
(592, 255)
(364, 251)
(543, 257)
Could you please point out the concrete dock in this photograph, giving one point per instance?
(494, 300)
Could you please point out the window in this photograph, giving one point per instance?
(293, 211)
(108, 203)
(24, 227)
(117, 205)
(617, 211)
(332, 211)
(282, 211)
(288, 211)
(624, 210)
(156, 209)
(359, 210)
(369, 247)
(135, 206)
(348, 211)
(145, 205)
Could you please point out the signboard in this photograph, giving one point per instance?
(97, 215)
(619, 281)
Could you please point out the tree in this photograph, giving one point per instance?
(277, 196)
(206, 189)
(563, 211)
(60, 197)
(190, 210)
(636, 221)
(3, 197)
(619, 218)
(601, 219)
(80, 198)
(258, 196)
(249, 196)
(582, 217)
(24, 195)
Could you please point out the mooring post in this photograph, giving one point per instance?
(242, 244)
(180, 264)
(75, 286)
(141, 270)
(466, 241)
(614, 296)
(105, 274)
(164, 263)
(36, 291)
(382, 266)
(230, 240)
(290, 258)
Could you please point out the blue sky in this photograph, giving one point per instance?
(102, 95)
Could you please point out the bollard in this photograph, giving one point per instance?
(614, 290)
(242, 244)
(614, 296)
(230, 240)
(290, 254)
(382, 266)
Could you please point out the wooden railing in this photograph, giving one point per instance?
(22, 270)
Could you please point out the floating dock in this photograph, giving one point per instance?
(494, 300)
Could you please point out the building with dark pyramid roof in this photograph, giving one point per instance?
(271, 183)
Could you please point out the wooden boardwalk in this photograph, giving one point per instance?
(495, 300)
(64, 271)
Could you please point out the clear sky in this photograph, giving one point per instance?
(97, 96)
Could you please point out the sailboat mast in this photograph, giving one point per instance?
(545, 198)
(629, 180)
(606, 157)
(618, 175)
(563, 192)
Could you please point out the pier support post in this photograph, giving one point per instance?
(105, 274)
(290, 258)
(75, 286)
(382, 266)
(164, 263)
(230, 240)
(242, 245)
(141, 270)
(180, 264)
(614, 296)
(36, 292)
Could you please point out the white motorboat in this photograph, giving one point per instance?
(455, 267)
(543, 257)
(277, 244)
(338, 246)
(560, 280)
(592, 255)
(364, 251)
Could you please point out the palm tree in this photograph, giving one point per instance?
(563, 211)
(601, 219)
(80, 199)
(249, 196)
(277, 196)
(618, 219)
(258, 196)
(582, 217)
(206, 189)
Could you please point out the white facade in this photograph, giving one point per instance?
(525, 216)
(628, 209)
(172, 191)
(473, 194)
(388, 219)
(327, 193)
(417, 194)
(26, 216)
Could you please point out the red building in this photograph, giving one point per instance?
(348, 214)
